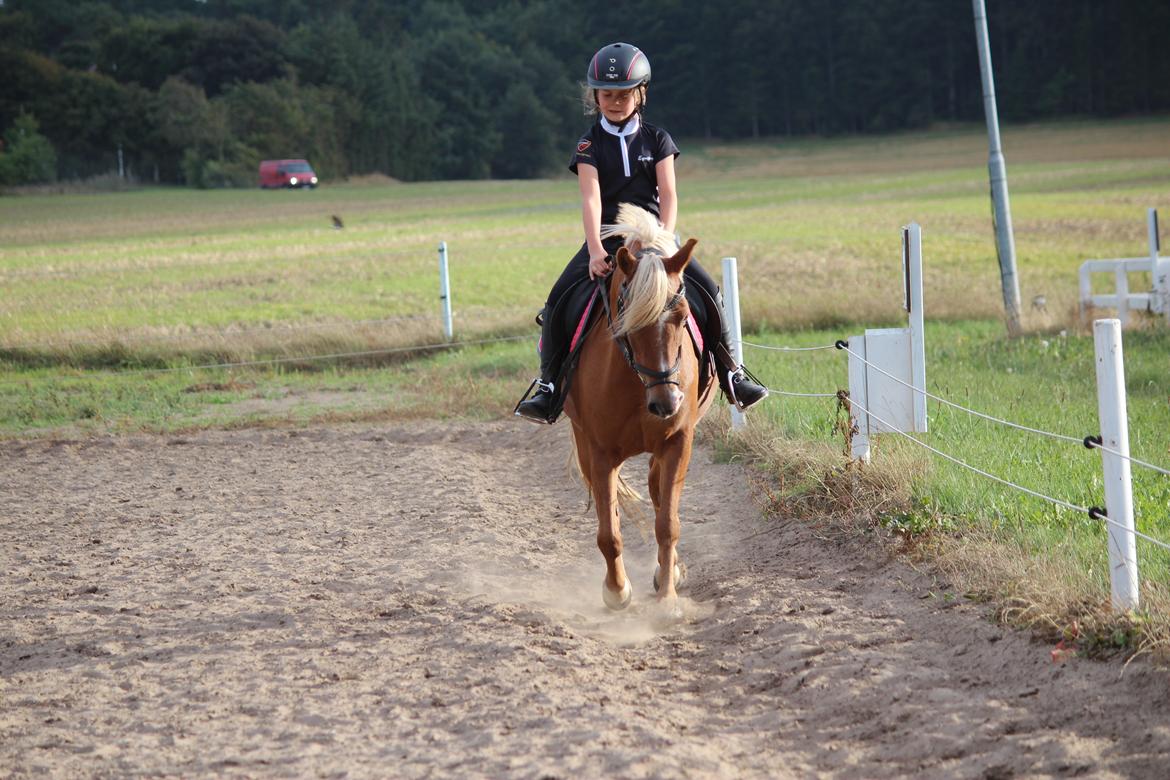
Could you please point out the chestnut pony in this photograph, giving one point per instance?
(637, 390)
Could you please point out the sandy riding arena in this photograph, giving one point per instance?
(424, 600)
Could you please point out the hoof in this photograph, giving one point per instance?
(617, 601)
(668, 612)
(680, 576)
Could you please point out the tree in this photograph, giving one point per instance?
(186, 119)
(531, 147)
(475, 88)
(388, 115)
(87, 116)
(27, 156)
(463, 72)
(234, 51)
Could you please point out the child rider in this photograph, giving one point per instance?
(623, 159)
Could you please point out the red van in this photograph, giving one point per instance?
(286, 173)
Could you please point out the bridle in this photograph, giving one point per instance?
(623, 342)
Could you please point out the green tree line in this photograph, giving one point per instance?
(199, 91)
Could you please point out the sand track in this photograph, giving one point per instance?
(423, 600)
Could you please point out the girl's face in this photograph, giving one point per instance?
(617, 104)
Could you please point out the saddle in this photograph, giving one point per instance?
(577, 312)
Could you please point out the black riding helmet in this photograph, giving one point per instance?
(618, 66)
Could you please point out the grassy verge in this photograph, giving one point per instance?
(114, 303)
(1042, 565)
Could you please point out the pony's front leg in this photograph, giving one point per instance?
(616, 590)
(672, 473)
(654, 482)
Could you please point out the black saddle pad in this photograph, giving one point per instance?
(570, 311)
(579, 309)
(570, 316)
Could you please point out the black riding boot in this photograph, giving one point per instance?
(741, 388)
(539, 407)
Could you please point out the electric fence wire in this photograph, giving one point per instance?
(311, 358)
(1092, 512)
(223, 332)
(928, 394)
(792, 349)
(772, 390)
(786, 349)
(277, 329)
(1089, 442)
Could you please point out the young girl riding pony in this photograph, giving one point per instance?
(623, 159)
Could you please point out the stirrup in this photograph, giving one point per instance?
(740, 405)
(541, 387)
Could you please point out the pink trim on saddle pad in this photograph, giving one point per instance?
(693, 327)
(581, 324)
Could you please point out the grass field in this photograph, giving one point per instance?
(111, 302)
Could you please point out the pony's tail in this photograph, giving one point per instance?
(630, 501)
(638, 226)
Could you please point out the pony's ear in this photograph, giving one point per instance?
(676, 264)
(626, 261)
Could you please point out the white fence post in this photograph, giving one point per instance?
(1111, 409)
(892, 397)
(731, 312)
(1159, 266)
(859, 398)
(445, 291)
(912, 238)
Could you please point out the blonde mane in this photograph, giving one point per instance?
(647, 291)
(641, 230)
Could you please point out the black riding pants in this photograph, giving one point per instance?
(578, 269)
(552, 352)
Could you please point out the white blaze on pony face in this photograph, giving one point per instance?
(672, 329)
(659, 346)
(650, 318)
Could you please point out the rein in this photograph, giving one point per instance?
(642, 372)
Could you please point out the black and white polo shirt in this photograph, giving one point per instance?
(625, 160)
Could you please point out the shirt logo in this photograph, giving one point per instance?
(584, 145)
(645, 158)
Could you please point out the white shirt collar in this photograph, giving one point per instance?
(631, 127)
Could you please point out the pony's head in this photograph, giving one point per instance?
(651, 323)
(648, 283)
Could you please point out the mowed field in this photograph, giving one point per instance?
(813, 223)
(114, 303)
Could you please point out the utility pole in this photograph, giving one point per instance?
(1005, 243)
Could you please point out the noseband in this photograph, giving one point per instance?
(623, 342)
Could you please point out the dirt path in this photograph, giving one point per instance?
(411, 601)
